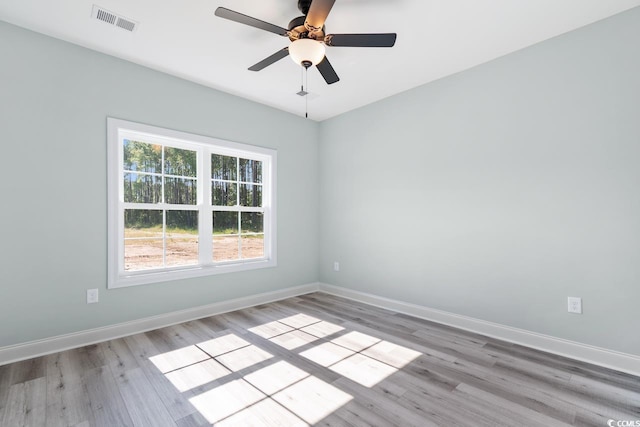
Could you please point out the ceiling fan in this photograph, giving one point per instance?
(308, 37)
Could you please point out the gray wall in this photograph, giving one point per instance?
(498, 192)
(495, 193)
(54, 101)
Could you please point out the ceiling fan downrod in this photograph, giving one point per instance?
(303, 6)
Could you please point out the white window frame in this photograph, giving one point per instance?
(117, 131)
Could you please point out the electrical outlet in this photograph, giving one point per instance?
(575, 305)
(92, 296)
(336, 266)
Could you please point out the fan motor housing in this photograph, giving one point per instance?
(297, 22)
(297, 30)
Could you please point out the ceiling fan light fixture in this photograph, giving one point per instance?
(307, 51)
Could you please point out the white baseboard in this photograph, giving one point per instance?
(58, 343)
(587, 353)
(599, 356)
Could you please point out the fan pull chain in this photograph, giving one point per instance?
(306, 97)
(304, 86)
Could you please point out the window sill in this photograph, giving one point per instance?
(144, 278)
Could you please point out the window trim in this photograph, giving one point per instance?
(116, 276)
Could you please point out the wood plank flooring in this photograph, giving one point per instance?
(312, 360)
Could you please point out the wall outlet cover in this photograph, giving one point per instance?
(92, 296)
(574, 305)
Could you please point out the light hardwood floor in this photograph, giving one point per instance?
(312, 360)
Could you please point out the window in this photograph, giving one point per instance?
(183, 205)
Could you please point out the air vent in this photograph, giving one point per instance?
(101, 14)
(126, 24)
(105, 16)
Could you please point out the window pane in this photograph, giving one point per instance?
(142, 157)
(223, 167)
(180, 191)
(182, 238)
(182, 251)
(225, 248)
(250, 170)
(225, 223)
(252, 222)
(142, 188)
(142, 223)
(179, 162)
(253, 246)
(250, 195)
(142, 254)
(143, 239)
(223, 193)
(182, 224)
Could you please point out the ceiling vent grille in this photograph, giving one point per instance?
(101, 14)
(126, 24)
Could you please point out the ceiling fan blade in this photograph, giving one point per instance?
(318, 12)
(327, 71)
(270, 60)
(231, 15)
(361, 40)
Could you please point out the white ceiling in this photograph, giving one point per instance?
(436, 38)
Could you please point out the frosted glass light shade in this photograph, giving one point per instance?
(306, 50)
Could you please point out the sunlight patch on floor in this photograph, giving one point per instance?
(322, 329)
(264, 413)
(299, 320)
(356, 341)
(326, 354)
(363, 370)
(294, 339)
(223, 344)
(270, 329)
(196, 375)
(273, 391)
(177, 359)
(243, 358)
(392, 354)
(274, 378)
(225, 400)
(312, 399)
